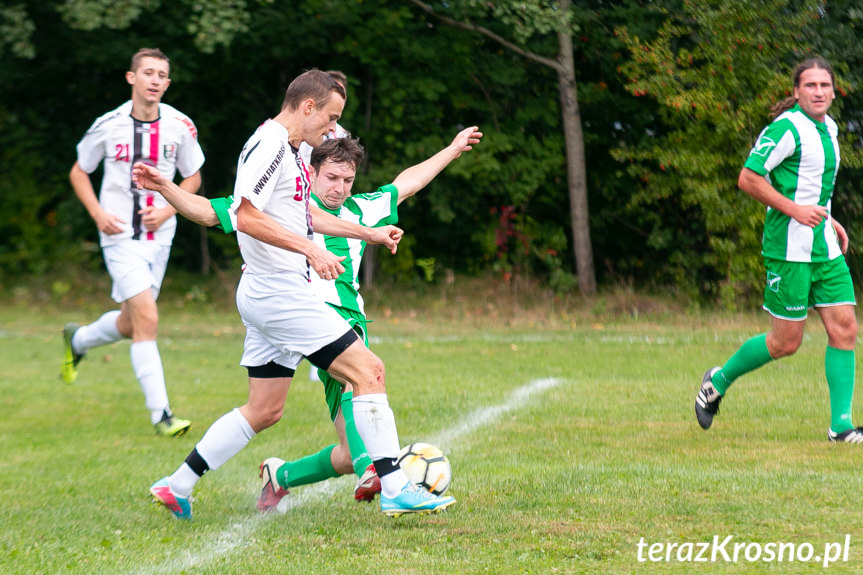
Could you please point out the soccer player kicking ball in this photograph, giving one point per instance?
(284, 320)
(792, 170)
(334, 165)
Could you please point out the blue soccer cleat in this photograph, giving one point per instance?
(181, 507)
(413, 499)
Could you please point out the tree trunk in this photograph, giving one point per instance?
(576, 169)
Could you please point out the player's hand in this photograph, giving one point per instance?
(152, 217)
(327, 265)
(108, 223)
(810, 215)
(841, 235)
(389, 236)
(466, 139)
(146, 176)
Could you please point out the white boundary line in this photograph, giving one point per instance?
(241, 533)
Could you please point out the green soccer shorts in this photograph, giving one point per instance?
(791, 288)
(332, 387)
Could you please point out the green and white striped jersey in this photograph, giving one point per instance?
(800, 158)
(373, 210)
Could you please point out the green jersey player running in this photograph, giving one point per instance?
(792, 170)
(333, 170)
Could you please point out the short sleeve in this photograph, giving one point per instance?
(776, 143)
(259, 170)
(190, 156)
(91, 148)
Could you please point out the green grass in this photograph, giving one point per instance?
(565, 480)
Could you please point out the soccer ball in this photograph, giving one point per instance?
(426, 466)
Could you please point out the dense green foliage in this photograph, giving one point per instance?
(662, 156)
(716, 69)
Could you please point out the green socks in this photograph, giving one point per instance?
(750, 356)
(839, 367)
(318, 467)
(309, 469)
(359, 457)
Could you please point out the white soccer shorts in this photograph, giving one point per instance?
(284, 319)
(136, 266)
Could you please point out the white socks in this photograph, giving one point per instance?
(147, 364)
(100, 332)
(376, 425)
(226, 437)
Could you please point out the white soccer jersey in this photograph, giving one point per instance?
(118, 140)
(372, 210)
(273, 177)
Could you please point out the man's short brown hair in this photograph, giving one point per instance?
(147, 53)
(337, 151)
(313, 84)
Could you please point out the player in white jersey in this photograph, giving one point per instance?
(284, 320)
(136, 226)
(792, 170)
(334, 166)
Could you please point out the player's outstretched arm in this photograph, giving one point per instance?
(194, 207)
(328, 224)
(415, 178)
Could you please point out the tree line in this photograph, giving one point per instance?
(614, 131)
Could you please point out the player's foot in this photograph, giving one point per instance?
(181, 507)
(413, 499)
(707, 401)
(69, 370)
(368, 485)
(271, 491)
(853, 435)
(171, 426)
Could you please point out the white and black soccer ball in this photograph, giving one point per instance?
(426, 466)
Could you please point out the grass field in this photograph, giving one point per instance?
(572, 439)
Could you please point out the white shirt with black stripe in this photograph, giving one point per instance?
(117, 140)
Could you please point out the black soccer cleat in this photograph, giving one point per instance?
(854, 435)
(707, 400)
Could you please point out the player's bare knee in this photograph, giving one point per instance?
(262, 417)
(272, 417)
(785, 348)
(374, 377)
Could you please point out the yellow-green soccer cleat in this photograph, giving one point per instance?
(171, 426)
(69, 369)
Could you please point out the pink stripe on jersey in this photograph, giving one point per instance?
(154, 143)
